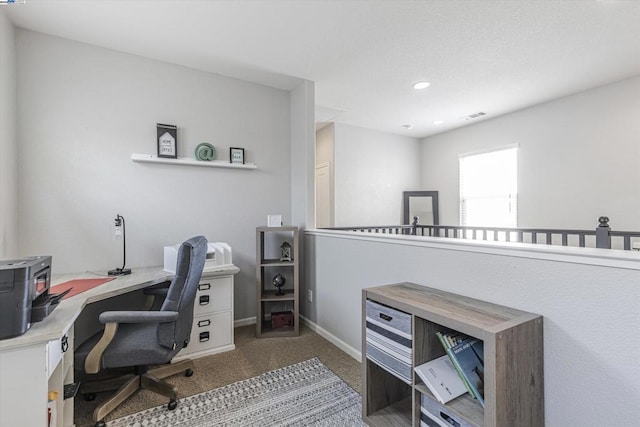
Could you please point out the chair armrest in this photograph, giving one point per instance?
(92, 362)
(138, 316)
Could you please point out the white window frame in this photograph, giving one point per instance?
(510, 197)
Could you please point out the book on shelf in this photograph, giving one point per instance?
(442, 379)
(444, 339)
(451, 340)
(468, 356)
(470, 366)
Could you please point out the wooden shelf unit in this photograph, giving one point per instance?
(513, 360)
(268, 264)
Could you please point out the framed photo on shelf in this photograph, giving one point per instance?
(236, 155)
(167, 141)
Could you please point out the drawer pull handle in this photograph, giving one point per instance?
(386, 317)
(204, 336)
(204, 299)
(205, 322)
(64, 344)
(204, 286)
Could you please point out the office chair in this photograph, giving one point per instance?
(141, 339)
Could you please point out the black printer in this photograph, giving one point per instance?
(24, 294)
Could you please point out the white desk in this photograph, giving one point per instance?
(33, 364)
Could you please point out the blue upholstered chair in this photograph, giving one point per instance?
(142, 340)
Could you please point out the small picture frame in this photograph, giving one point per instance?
(167, 141)
(236, 155)
(274, 220)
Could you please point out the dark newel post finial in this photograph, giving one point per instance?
(603, 239)
(415, 226)
(604, 221)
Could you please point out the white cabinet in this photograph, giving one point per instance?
(24, 389)
(212, 330)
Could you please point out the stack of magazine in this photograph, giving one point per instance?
(461, 370)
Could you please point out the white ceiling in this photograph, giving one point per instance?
(364, 56)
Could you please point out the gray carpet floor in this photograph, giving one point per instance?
(251, 357)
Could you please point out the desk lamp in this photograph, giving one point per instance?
(121, 271)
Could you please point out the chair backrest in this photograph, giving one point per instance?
(182, 293)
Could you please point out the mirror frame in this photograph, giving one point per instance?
(407, 195)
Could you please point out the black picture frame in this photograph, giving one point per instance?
(236, 155)
(167, 141)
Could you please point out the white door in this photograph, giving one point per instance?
(323, 196)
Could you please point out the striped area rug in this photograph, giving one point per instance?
(304, 394)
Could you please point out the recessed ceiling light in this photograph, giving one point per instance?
(421, 85)
(407, 126)
(438, 122)
(474, 116)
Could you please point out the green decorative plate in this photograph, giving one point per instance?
(205, 151)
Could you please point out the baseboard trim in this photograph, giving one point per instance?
(333, 339)
(209, 352)
(315, 328)
(244, 322)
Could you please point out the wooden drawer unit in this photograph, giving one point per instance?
(389, 340)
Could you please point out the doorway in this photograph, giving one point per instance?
(323, 196)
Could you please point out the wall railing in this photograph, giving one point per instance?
(600, 237)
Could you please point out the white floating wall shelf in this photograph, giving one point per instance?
(187, 161)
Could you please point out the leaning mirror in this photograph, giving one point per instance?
(423, 204)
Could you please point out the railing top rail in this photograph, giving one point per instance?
(602, 233)
(625, 233)
(513, 229)
(370, 227)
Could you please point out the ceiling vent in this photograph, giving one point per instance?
(474, 116)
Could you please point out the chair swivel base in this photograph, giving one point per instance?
(150, 380)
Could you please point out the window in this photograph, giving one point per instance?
(489, 189)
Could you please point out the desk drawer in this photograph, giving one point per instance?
(210, 331)
(214, 294)
(389, 341)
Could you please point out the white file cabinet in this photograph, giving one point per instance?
(212, 330)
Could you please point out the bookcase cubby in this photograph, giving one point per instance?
(513, 359)
(268, 265)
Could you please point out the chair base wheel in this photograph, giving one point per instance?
(188, 372)
(172, 405)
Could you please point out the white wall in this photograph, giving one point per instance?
(372, 169)
(589, 303)
(302, 163)
(579, 158)
(8, 142)
(83, 110)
